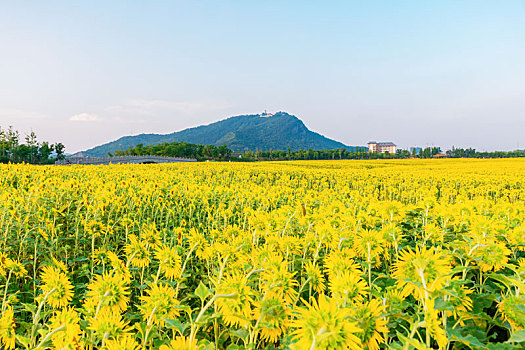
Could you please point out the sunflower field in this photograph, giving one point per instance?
(403, 254)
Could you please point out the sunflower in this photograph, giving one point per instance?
(178, 232)
(235, 311)
(100, 256)
(347, 288)
(108, 325)
(56, 286)
(492, 255)
(112, 256)
(3, 262)
(315, 276)
(119, 268)
(511, 308)
(125, 342)
(108, 291)
(69, 336)
(60, 265)
(224, 250)
(395, 301)
(281, 281)
(519, 268)
(150, 235)
(272, 316)
(421, 271)
(337, 262)
(516, 238)
(369, 319)
(459, 299)
(433, 325)
(269, 259)
(170, 261)
(7, 328)
(323, 325)
(180, 343)
(95, 228)
(15, 267)
(392, 235)
(160, 303)
(391, 210)
(433, 233)
(197, 240)
(137, 252)
(289, 244)
(241, 261)
(369, 245)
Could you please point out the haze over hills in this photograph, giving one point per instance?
(240, 133)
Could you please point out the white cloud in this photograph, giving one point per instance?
(85, 117)
(159, 107)
(14, 114)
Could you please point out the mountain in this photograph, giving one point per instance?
(240, 133)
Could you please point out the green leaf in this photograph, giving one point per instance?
(141, 328)
(23, 340)
(183, 307)
(502, 346)
(517, 337)
(207, 317)
(241, 333)
(179, 326)
(234, 347)
(202, 292)
(501, 278)
(460, 268)
(205, 344)
(481, 302)
(468, 340)
(30, 307)
(441, 304)
(414, 342)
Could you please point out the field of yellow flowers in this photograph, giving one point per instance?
(415, 254)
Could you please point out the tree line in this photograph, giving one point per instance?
(310, 154)
(178, 149)
(210, 152)
(472, 153)
(431, 152)
(340, 153)
(13, 150)
(362, 153)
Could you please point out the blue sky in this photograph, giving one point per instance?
(418, 73)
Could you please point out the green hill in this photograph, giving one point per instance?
(241, 133)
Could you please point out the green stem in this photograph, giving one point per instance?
(36, 317)
(411, 336)
(194, 326)
(5, 291)
(148, 327)
(299, 292)
(49, 335)
(158, 271)
(184, 268)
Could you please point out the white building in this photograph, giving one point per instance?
(381, 147)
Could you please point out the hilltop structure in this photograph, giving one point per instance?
(381, 147)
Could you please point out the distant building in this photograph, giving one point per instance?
(381, 147)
